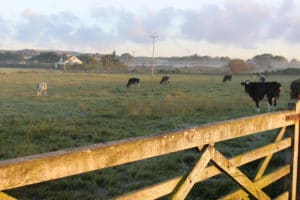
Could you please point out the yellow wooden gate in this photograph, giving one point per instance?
(54, 165)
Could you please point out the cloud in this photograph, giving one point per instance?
(128, 26)
(286, 22)
(5, 29)
(119, 25)
(39, 28)
(234, 23)
(293, 33)
(61, 30)
(243, 24)
(281, 18)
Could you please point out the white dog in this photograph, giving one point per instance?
(41, 89)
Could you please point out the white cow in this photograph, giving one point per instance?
(41, 89)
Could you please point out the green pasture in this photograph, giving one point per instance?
(89, 108)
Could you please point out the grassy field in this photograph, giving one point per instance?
(83, 108)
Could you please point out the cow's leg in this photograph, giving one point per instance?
(270, 108)
(257, 105)
(271, 105)
(275, 102)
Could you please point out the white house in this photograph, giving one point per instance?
(67, 60)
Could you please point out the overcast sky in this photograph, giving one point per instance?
(234, 28)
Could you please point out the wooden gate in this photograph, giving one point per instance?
(49, 166)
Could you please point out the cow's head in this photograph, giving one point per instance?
(246, 84)
(279, 88)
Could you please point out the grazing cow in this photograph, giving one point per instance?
(41, 88)
(227, 77)
(261, 77)
(165, 79)
(133, 81)
(258, 90)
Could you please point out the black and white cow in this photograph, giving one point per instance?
(261, 77)
(165, 79)
(227, 77)
(133, 81)
(258, 90)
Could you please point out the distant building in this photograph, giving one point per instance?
(67, 60)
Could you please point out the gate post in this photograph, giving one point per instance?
(296, 178)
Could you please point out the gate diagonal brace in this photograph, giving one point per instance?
(4, 196)
(261, 170)
(187, 182)
(237, 175)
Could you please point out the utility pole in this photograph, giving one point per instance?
(154, 36)
(133, 58)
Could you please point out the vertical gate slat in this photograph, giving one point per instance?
(295, 157)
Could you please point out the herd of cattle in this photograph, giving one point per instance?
(42, 87)
(256, 90)
(136, 81)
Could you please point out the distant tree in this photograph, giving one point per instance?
(263, 61)
(268, 61)
(88, 59)
(225, 59)
(47, 57)
(237, 66)
(114, 55)
(106, 60)
(294, 60)
(109, 59)
(280, 59)
(111, 64)
(126, 57)
(10, 56)
(294, 63)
